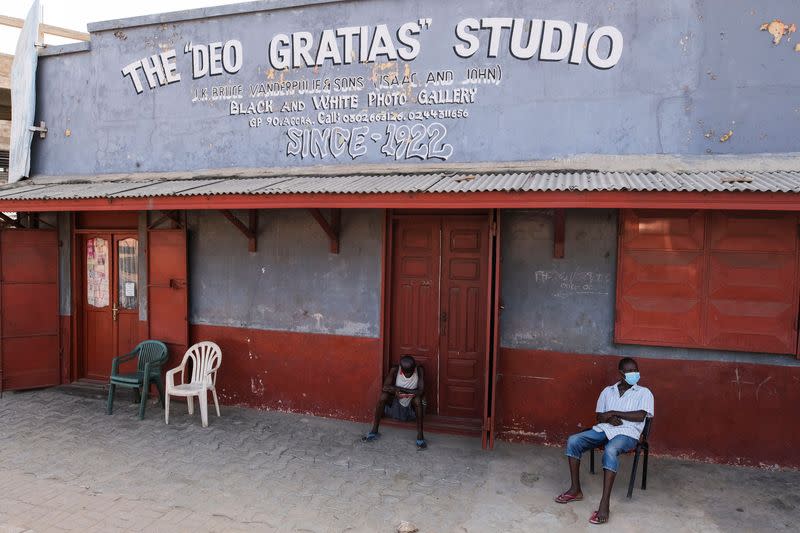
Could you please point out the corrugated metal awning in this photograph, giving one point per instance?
(456, 183)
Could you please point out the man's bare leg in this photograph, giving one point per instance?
(575, 477)
(608, 484)
(418, 411)
(384, 399)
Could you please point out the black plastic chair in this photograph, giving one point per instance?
(643, 446)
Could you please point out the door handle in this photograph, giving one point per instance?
(115, 312)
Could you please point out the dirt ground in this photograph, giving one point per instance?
(65, 465)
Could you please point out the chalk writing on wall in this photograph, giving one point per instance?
(565, 284)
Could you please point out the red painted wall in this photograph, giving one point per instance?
(709, 410)
(325, 375)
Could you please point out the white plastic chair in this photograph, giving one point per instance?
(206, 358)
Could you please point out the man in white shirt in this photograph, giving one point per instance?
(621, 412)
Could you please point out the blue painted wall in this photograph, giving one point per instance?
(689, 73)
(292, 283)
(567, 305)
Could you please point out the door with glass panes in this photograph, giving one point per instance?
(110, 300)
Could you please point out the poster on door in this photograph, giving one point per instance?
(97, 272)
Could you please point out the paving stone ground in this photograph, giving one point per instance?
(65, 465)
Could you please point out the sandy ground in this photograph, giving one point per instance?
(65, 465)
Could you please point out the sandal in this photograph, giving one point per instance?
(594, 519)
(370, 437)
(421, 444)
(566, 498)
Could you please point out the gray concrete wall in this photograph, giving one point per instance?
(689, 73)
(293, 282)
(567, 305)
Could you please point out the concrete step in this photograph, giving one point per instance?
(96, 390)
(442, 424)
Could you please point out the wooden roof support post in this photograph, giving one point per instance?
(331, 228)
(252, 245)
(250, 232)
(559, 229)
(174, 216)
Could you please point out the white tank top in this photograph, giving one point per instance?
(406, 383)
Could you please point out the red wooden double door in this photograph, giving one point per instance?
(110, 291)
(439, 307)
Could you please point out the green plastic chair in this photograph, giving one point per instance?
(150, 356)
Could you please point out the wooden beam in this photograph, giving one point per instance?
(5, 77)
(46, 29)
(330, 228)
(559, 227)
(10, 221)
(250, 232)
(167, 215)
(336, 224)
(252, 245)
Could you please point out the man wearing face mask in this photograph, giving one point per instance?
(621, 412)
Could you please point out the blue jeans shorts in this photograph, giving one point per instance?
(590, 439)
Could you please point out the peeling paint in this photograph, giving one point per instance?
(528, 434)
(778, 29)
(257, 386)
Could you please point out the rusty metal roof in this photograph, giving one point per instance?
(459, 183)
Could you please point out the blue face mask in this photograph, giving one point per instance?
(631, 378)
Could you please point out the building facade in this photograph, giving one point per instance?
(516, 196)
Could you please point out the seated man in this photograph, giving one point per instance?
(402, 398)
(621, 412)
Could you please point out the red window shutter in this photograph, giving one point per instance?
(660, 278)
(737, 289)
(752, 287)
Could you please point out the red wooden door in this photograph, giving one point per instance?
(29, 322)
(110, 300)
(126, 292)
(494, 345)
(439, 307)
(415, 297)
(98, 321)
(167, 283)
(463, 312)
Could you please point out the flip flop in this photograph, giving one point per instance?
(370, 437)
(421, 444)
(566, 498)
(594, 519)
